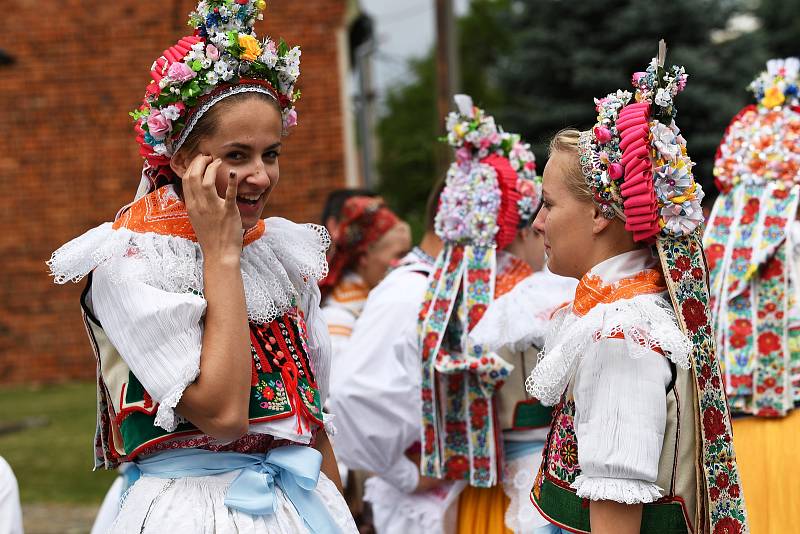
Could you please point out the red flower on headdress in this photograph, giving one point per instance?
(768, 342)
(713, 423)
(694, 313)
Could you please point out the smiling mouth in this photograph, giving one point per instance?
(249, 200)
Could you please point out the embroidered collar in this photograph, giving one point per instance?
(621, 277)
(163, 212)
(420, 255)
(510, 271)
(350, 294)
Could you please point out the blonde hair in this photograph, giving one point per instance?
(566, 141)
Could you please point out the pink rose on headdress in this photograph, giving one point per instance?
(602, 134)
(637, 78)
(212, 52)
(180, 72)
(463, 154)
(615, 171)
(158, 125)
(291, 119)
(599, 102)
(526, 188)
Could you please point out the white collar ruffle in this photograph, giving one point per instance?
(277, 268)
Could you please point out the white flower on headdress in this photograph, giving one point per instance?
(161, 149)
(269, 56)
(663, 98)
(212, 77)
(171, 112)
(682, 219)
(672, 180)
(665, 141)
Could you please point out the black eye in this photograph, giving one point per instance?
(272, 154)
(235, 155)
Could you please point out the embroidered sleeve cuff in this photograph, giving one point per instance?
(621, 490)
(404, 475)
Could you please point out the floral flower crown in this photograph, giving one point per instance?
(635, 160)
(475, 136)
(222, 58)
(778, 85)
(762, 142)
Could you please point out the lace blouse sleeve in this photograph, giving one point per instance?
(620, 417)
(157, 333)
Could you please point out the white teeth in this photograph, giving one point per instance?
(250, 197)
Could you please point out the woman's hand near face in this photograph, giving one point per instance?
(215, 220)
(218, 401)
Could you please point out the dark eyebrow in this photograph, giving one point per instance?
(242, 146)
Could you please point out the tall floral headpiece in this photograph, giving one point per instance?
(762, 143)
(222, 58)
(634, 159)
(491, 192)
(492, 188)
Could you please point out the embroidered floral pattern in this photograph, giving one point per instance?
(717, 454)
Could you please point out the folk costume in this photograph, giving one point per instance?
(752, 247)
(363, 222)
(143, 308)
(640, 413)
(478, 426)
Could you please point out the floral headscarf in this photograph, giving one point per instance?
(364, 220)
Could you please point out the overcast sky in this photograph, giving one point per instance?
(404, 30)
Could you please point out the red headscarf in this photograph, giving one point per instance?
(364, 221)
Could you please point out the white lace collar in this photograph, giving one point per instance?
(277, 269)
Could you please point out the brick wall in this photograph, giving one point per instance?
(68, 158)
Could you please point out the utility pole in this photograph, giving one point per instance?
(447, 73)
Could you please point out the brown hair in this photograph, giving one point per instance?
(566, 141)
(207, 124)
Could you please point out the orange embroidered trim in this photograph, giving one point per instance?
(591, 290)
(513, 274)
(163, 212)
(348, 291)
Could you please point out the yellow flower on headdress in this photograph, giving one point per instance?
(460, 130)
(773, 97)
(261, 5)
(250, 48)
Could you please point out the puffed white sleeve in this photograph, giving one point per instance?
(620, 418)
(375, 390)
(158, 334)
(319, 342)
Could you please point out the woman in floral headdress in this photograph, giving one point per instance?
(212, 356)
(630, 364)
(369, 239)
(752, 243)
(484, 314)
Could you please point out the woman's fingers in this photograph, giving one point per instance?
(210, 178)
(232, 191)
(193, 176)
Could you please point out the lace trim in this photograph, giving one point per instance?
(276, 269)
(536, 298)
(647, 323)
(616, 489)
(518, 479)
(166, 417)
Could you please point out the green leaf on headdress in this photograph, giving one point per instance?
(190, 90)
(296, 96)
(167, 98)
(234, 48)
(283, 48)
(196, 65)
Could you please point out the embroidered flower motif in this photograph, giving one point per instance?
(768, 342)
(713, 423)
(568, 452)
(728, 525)
(694, 313)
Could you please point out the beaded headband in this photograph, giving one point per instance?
(635, 162)
(221, 59)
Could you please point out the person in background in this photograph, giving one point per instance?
(752, 242)
(640, 440)
(370, 239)
(10, 509)
(332, 211)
